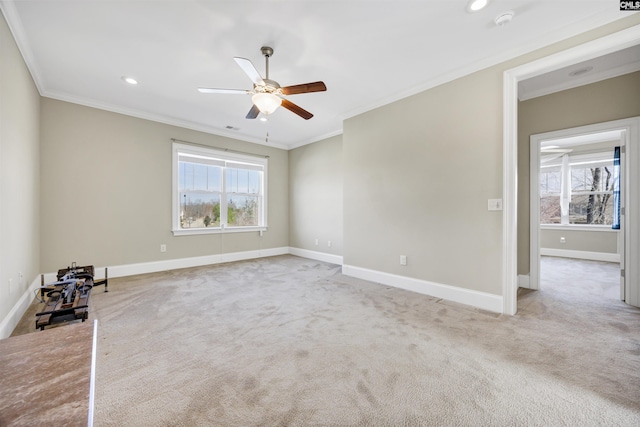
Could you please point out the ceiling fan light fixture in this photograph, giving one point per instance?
(267, 103)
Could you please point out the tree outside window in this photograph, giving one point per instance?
(215, 190)
(591, 199)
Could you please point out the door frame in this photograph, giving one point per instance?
(629, 138)
(602, 46)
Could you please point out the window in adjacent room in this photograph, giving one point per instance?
(584, 182)
(216, 191)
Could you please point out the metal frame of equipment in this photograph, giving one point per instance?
(68, 297)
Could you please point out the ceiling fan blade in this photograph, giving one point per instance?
(249, 70)
(556, 150)
(230, 91)
(304, 88)
(296, 109)
(253, 113)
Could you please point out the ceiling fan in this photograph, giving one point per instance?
(268, 95)
(553, 152)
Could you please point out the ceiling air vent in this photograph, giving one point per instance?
(580, 71)
(232, 127)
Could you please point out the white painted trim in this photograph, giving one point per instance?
(611, 43)
(631, 218)
(172, 121)
(319, 256)
(12, 319)
(578, 227)
(523, 281)
(523, 49)
(510, 194)
(629, 138)
(482, 300)
(92, 377)
(587, 79)
(534, 213)
(174, 264)
(593, 256)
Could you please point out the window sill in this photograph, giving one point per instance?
(198, 231)
(577, 227)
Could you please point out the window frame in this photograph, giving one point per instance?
(227, 157)
(582, 161)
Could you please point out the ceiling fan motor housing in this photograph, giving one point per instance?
(270, 86)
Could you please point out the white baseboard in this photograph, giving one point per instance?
(523, 281)
(319, 256)
(174, 264)
(12, 319)
(482, 300)
(593, 256)
(477, 299)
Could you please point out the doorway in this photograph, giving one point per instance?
(602, 46)
(568, 160)
(577, 204)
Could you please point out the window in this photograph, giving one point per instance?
(216, 191)
(585, 182)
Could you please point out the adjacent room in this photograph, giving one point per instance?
(356, 213)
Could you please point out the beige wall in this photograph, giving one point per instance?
(418, 174)
(315, 196)
(608, 100)
(603, 241)
(19, 174)
(106, 190)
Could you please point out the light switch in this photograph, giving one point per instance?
(494, 204)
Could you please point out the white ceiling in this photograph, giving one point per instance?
(368, 53)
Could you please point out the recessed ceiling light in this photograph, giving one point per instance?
(130, 80)
(476, 5)
(263, 119)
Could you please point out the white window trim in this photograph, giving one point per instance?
(578, 227)
(231, 157)
(596, 159)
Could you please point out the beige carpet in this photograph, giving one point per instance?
(287, 341)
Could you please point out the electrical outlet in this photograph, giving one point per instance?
(403, 260)
(329, 243)
(316, 242)
(163, 248)
(563, 240)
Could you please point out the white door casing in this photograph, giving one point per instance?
(629, 140)
(602, 46)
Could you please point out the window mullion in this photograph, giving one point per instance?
(223, 199)
(565, 185)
